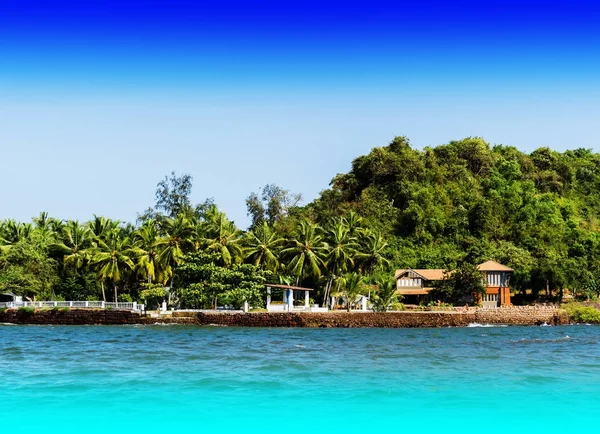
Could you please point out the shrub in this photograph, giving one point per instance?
(582, 314)
(153, 295)
(26, 310)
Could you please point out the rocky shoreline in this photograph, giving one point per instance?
(405, 319)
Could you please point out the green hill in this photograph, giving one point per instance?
(467, 201)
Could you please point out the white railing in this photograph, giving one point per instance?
(76, 304)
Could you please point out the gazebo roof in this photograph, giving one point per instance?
(295, 288)
(493, 266)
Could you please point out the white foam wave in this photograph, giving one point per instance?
(476, 324)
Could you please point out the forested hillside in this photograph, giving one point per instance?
(467, 201)
(459, 203)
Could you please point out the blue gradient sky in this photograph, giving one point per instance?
(100, 100)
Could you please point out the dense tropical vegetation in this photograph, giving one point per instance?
(445, 207)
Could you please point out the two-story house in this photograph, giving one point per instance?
(415, 284)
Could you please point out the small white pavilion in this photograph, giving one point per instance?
(291, 294)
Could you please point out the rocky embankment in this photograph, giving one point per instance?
(408, 319)
(65, 316)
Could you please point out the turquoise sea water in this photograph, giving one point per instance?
(103, 379)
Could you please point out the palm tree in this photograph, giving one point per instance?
(372, 250)
(42, 221)
(47, 228)
(13, 232)
(73, 244)
(354, 223)
(340, 255)
(145, 241)
(350, 286)
(385, 296)
(112, 258)
(199, 235)
(262, 247)
(222, 237)
(177, 240)
(102, 227)
(306, 249)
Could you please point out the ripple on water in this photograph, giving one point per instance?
(136, 378)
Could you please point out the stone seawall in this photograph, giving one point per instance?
(521, 316)
(372, 319)
(69, 317)
(331, 319)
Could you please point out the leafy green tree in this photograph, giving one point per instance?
(172, 195)
(460, 284)
(245, 283)
(77, 285)
(27, 270)
(172, 199)
(153, 295)
(272, 204)
(202, 283)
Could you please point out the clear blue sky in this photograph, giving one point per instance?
(101, 100)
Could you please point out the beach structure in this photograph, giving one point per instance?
(495, 280)
(358, 304)
(8, 296)
(294, 299)
(416, 284)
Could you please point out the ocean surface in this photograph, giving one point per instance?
(109, 379)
